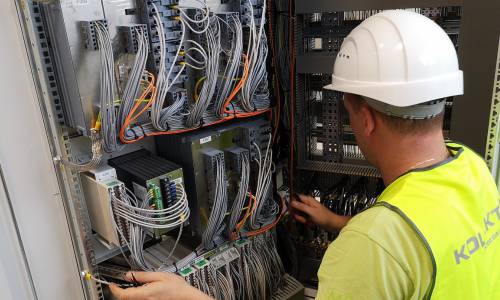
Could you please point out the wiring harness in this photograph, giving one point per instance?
(245, 269)
(232, 80)
(133, 217)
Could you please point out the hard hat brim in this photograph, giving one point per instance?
(405, 93)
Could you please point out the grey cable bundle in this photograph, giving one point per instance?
(133, 86)
(227, 81)
(257, 51)
(262, 193)
(239, 201)
(219, 207)
(212, 36)
(107, 89)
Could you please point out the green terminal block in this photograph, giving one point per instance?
(241, 242)
(202, 263)
(185, 272)
(157, 200)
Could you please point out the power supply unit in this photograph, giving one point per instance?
(143, 173)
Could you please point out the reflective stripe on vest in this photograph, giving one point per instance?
(454, 208)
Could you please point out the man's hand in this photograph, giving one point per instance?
(157, 286)
(307, 209)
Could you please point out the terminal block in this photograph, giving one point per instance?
(210, 157)
(176, 94)
(224, 258)
(226, 34)
(168, 191)
(130, 36)
(188, 274)
(257, 133)
(246, 13)
(157, 199)
(234, 158)
(169, 16)
(202, 266)
(89, 33)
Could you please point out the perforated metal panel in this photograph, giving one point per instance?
(493, 128)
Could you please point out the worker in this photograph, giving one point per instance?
(434, 231)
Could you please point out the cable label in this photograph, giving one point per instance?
(205, 140)
(80, 2)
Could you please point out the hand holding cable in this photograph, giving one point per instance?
(307, 210)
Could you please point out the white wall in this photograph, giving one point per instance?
(15, 281)
(31, 182)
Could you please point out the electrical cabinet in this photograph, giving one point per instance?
(159, 134)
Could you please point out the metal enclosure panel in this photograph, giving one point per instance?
(29, 171)
(77, 64)
(492, 144)
(320, 6)
(479, 34)
(315, 63)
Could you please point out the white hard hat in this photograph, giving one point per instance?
(399, 58)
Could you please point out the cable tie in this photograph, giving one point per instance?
(234, 110)
(135, 134)
(142, 129)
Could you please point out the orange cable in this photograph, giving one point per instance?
(240, 224)
(238, 87)
(130, 118)
(151, 89)
(270, 226)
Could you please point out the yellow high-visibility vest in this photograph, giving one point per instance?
(454, 208)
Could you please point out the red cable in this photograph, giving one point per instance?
(292, 95)
(275, 64)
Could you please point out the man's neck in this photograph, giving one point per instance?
(407, 153)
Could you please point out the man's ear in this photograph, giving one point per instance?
(369, 122)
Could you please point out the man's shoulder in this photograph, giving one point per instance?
(391, 233)
(376, 221)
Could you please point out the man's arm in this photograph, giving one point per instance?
(307, 210)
